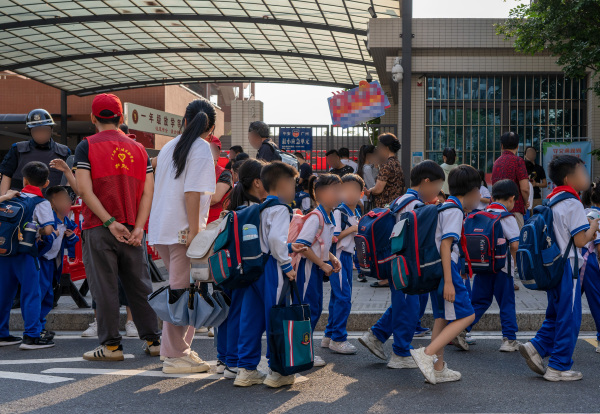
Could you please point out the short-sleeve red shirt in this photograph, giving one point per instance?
(511, 167)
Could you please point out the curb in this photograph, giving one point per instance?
(78, 320)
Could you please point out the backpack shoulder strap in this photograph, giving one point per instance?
(557, 199)
(272, 203)
(447, 206)
(396, 207)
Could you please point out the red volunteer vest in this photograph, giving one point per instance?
(216, 209)
(118, 167)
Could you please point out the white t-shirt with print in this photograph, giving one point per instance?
(168, 215)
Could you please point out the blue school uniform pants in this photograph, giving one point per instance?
(48, 274)
(558, 335)
(486, 287)
(257, 302)
(423, 299)
(229, 332)
(400, 319)
(21, 269)
(461, 308)
(310, 282)
(340, 301)
(590, 285)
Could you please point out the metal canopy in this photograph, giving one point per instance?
(86, 47)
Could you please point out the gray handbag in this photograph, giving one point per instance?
(200, 311)
(159, 301)
(171, 305)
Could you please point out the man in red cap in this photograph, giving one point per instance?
(115, 181)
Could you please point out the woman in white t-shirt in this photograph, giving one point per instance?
(184, 183)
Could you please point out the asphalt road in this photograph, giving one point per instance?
(492, 382)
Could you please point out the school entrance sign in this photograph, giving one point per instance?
(142, 118)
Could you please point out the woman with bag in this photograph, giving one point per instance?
(184, 182)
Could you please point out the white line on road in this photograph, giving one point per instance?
(45, 379)
(48, 360)
(128, 373)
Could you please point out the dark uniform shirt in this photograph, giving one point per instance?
(267, 152)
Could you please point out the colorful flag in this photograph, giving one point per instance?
(358, 105)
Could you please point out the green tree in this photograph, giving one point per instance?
(568, 29)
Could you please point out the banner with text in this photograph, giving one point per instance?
(295, 139)
(142, 118)
(552, 149)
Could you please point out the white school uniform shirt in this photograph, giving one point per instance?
(484, 192)
(596, 241)
(347, 243)
(569, 219)
(274, 226)
(305, 204)
(42, 213)
(510, 228)
(310, 229)
(410, 206)
(449, 225)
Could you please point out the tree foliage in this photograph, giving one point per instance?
(568, 29)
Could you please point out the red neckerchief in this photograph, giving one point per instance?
(463, 243)
(496, 206)
(32, 190)
(563, 188)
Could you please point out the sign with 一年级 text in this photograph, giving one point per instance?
(552, 149)
(142, 118)
(295, 139)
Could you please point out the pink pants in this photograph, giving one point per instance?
(176, 340)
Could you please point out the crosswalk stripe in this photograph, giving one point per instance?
(129, 373)
(48, 360)
(44, 379)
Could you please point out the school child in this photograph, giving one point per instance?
(23, 267)
(302, 199)
(346, 217)
(590, 273)
(51, 256)
(484, 192)
(279, 181)
(318, 261)
(558, 335)
(500, 285)
(402, 317)
(464, 183)
(249, 191)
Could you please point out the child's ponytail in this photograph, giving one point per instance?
(591, 196)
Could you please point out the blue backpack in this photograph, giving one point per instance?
(18, 232)
(417, 268)
(539, 260)
(373, 245)
(484, 234)
(300, 196)
(238, 260)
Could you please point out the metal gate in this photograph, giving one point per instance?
(327, 137)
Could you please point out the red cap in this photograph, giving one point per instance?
(107, 102)
(214, 140)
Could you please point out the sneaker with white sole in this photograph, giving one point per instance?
(425, 364)
(202, 329)
(532, 357)
(276, 380)
(461, 341)
(421, 332)
(130, 330)
(105, 353)
(230, 372)
(184, 365)
(446, 375)
(509, 345)
(246, 377)
(370, 341)
(555, 375)
(325, 342)
(91, 331)
(319, 362)
(598, 349)
(10, 340)
(345, 347)
(220, 368)
(399, 362)
(211, 333)
(30, 343)
(152, 348)
(469, 339)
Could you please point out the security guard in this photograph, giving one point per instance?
(41, 147)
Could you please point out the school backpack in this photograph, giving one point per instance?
(18, 231)
(284, 157)
(486, 245)
(417, 267)
(296, 225)
(300, 196)
(238, 260)
(373, 245)
(540, 262)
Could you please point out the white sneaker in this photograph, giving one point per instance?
(399, 362)
(342, 347)
(555, 375)
(446, 375)
(246, 378)
(220, 369)
(91, 331)
(325, 342)
(319, 362)
(202, 329)
(598, 349)
(230, 372)
(131, 330)
(184, 365)
(211, 333)
(470, 340)
(509, 345)
(461, 341)
(532, 357)
(425, 364)
(370, 341)
(276, 380)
